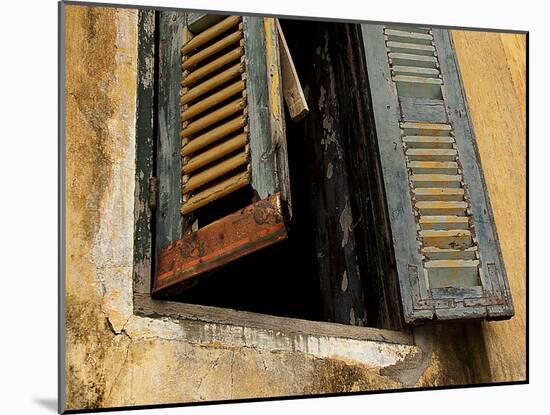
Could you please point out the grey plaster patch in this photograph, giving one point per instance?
(344, 285)
(345, 224)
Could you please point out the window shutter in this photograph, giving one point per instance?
(229, 135)
(445, 242)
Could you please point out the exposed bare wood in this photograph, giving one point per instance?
(292, 89)
(189, 78)
(213, 135)
(214, 153)
(213, 117)
(454, 238)
(441, 208)
(210, 33)
(212, 83)
(199, 314)
(211, 50)
(218, 170)
(215, 192)
(212, 100)
(433, 193)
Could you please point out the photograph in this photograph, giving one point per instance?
(263, 207)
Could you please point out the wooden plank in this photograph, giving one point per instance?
(334, 205)
(211, 83)
(144, 151)
(190, 78)
(209, 137)
(212, 101)
(415, 71)
(430, 154)
(215, 192)
(197, 22)
(169, 222)
(405, 47)
(276, 113)
(395, 175)
(422, 109)
(214, 117)
(418, 87)
(292, 90)
(234, 236)
(202, 159)
(196, 315)
(408, 37)
(197, 180)
(209, 34)
(434, 193)
(212, 50)
(384, 307)
(261, 154)
(409, 59)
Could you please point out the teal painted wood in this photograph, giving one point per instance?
(197, 22)
(496, 282)
(169, 221)
(262, 150)
(403, 227)
(491, 300)
(427, 110)
(144, 150)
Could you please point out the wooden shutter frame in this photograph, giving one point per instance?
(491, 300)
(263, 222)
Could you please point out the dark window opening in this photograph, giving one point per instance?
(331, 267)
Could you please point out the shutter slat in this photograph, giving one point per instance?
(213, 135)
(212, 83)
(415, 71)
(436, 180)
(215, 153)
(409, 59)
(443, 222)
(434, 253)
(212, 118)
(210, 33)
(425, 128)
(211, 50)
(408, 37)
(212, 100)
(190, 78)
(441, 208)
(412, 48)
(218, 170)
(431, 154)
(452, 238)
(216, 192)
(433, 167)
(431, 193)
(428, 142)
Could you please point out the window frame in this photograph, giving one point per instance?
(144, 251)
(144, 304)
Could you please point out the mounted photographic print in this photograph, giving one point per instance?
(261, 207)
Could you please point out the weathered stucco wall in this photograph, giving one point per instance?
(493, 70)
(115, 358)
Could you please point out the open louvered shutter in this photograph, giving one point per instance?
(446, 248)
(222, 76)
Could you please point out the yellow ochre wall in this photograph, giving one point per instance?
(115, 358)
(493, 71)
